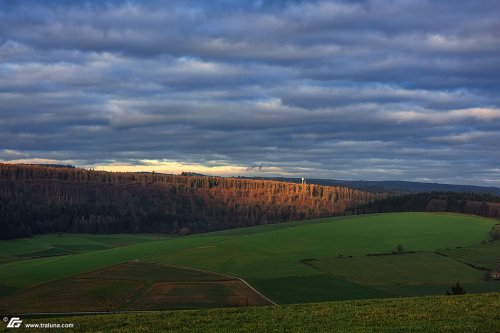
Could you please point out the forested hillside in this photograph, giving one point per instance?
(482, 204)
(41, 199)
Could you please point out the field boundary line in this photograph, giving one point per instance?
(222, 274)
(255, 290)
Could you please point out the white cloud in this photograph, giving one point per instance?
(467, 137)
(445, 117)
(478, 43)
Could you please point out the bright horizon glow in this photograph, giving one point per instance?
(169, 167)
(176, 168)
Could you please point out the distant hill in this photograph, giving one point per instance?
(68, 166)
(41, 199)
(397, 186)
(38, 199)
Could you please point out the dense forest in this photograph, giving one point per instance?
(47, 199)
(482, 204)
(44, 199)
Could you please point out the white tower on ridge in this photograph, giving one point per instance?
(303, 181)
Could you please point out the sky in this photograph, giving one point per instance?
(366, 89)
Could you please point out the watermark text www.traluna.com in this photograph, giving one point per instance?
(17, 322)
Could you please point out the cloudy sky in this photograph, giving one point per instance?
(368, 89)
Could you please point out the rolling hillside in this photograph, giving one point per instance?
(355, 257)
(43, 199)
(40, 199)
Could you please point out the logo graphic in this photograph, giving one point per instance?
(15, 322)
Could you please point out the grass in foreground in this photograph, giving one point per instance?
(467, 313)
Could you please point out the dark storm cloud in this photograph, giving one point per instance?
(344, 89)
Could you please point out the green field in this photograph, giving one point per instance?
(316, 288)
(467, 313)
(274, 258)
(412, 268)
(484, 255)
(423, 273)
(54, 245)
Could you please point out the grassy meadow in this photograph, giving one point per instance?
(484, 255)
(61, 244)
(466, 313)
(306, 261)
(399, 269)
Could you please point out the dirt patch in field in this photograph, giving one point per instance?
(172, 295)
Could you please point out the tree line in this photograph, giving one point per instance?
(43, 199)
(482, 204)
